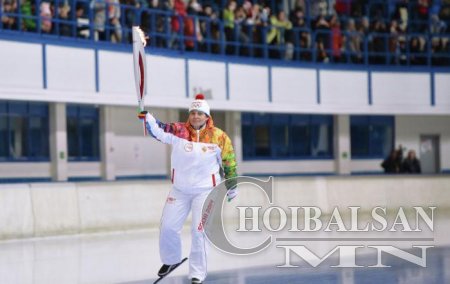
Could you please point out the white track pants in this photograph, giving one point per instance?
(176, 210)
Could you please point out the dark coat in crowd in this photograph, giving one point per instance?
(411, 166)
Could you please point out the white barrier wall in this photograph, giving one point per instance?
(30, 210)
(95, 76)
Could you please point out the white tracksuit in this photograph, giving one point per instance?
(195, 171)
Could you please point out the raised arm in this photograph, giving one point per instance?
(155, 130)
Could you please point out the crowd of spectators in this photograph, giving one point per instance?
(400, 32)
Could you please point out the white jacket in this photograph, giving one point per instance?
(195, 165)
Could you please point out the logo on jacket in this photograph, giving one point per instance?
(188, 147)
(204, 148)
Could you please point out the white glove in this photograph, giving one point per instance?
(232, 193)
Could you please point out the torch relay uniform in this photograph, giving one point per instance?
(197, 159)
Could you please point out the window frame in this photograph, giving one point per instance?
(252, 120)
(371, 121)
(29, 110)
(81, 112)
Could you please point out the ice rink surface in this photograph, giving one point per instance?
(132, 257)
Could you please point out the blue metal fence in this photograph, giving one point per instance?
(111, 22)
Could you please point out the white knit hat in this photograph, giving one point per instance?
(200, 104)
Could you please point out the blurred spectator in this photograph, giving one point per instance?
(9, 22)
(343, 7)
(411, 165)
(276, 36)
(378, 42)
(107, 20)
(322, 28)
(255, 17)
(114, 20)
(82, 21)
(321, 54)
(439, 52)
(318, 8)
(392, 164)
(228, 20)
(28, 19)
(240, 22)
(437, 26)
(210, 29)
(46, 17)
(265, 16)
(177, 22)
(64, 26)
(354, 41)
(401, 14)
(299, 5)
(416, 52)
(192, 27)
(234, 17)
(422, 14)
(337, 39)
(151, 23)
(99, 9)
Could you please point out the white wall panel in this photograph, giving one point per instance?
(25, 170)
(401, 89)
(166, 77)
(20, 65)
(71, 69)
(294, 85)
(248, 83)
(208, 78)
(285, 167)
(135, 154)
(366, 166)
(442, 89)
(343, 87)
(84, 169)
(116, 73)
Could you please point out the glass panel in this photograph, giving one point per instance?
(321, 142)
(359, 140)
(247, 141)
(17, 108)
(4, 143)
(300, 140)
(18, 134)
(3, 108)
(247, 119)
(39, 135)
(262, 141)
(72, 111)
(73, 138)
(38, 109)
(281, 140)
(89, 138)
(261, 119)
(381, 140)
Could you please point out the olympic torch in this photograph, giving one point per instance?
(140, 67)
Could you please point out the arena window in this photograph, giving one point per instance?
(83, 133)
(371, 136)
(24, 129)
(287, 136)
